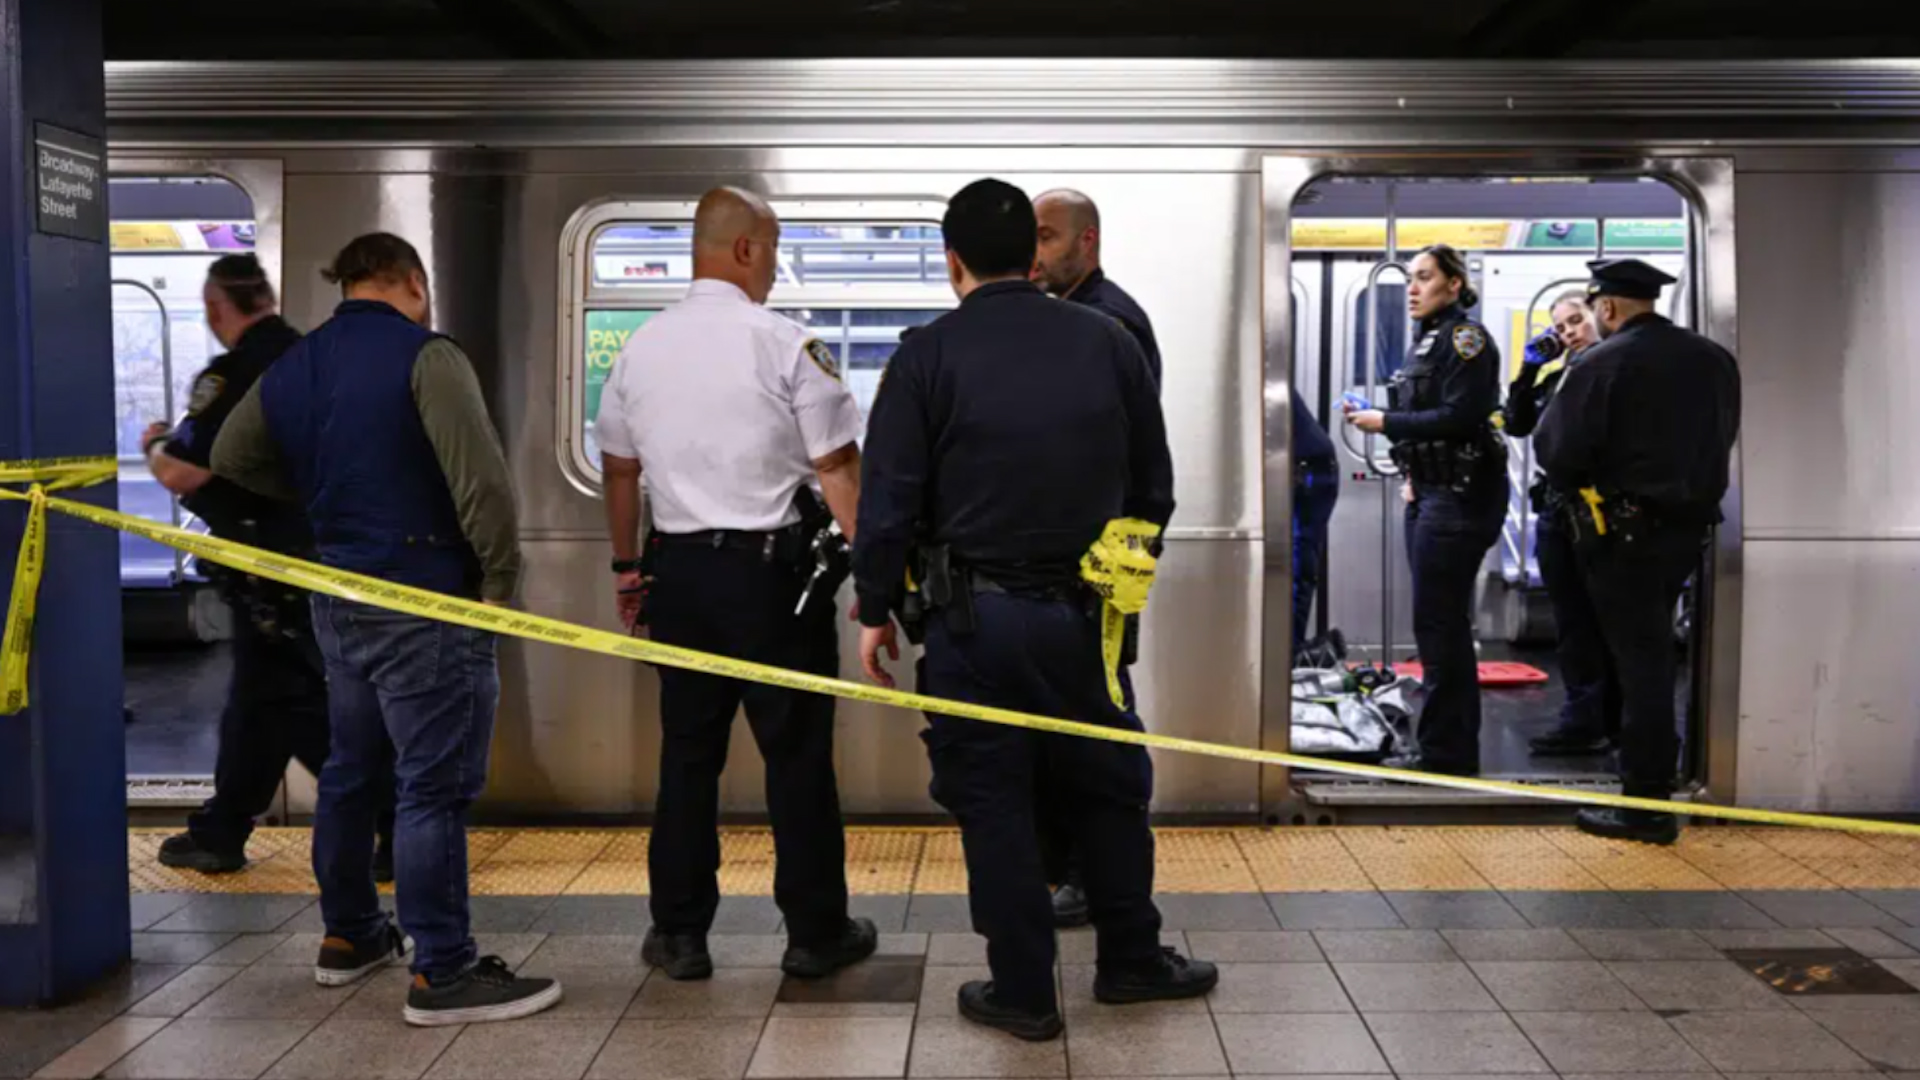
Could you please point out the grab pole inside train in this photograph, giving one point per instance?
(63, 839)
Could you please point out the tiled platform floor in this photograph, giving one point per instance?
(1410, 983)
(928, 861)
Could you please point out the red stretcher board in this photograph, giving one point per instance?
(1492, 672)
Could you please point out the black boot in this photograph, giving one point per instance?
(1643, 826)
(1568, 742)
(1168, 977)
(855, 944)
(683, 957)
(183, 852)
(1415, 761)
(978, 1005)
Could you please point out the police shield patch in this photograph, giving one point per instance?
(206, 390)
(823, 357)
(1469, 341)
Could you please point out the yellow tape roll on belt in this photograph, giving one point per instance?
(1120, 568)
(419, 602)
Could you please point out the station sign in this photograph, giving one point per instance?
(70, 184)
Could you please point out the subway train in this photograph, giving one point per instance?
(1262, 213)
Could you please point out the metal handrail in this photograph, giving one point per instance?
(166, 400)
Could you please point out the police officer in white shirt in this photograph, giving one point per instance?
(734, 414)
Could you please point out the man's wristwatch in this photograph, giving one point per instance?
(626, 566)
(146, 448)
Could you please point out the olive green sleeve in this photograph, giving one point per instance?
(447, 393)
(244, 452)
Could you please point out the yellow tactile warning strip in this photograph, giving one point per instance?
(898, 861)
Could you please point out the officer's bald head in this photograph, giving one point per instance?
(735, 239)
(1069, 239)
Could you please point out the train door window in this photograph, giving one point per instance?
(857, 274)
(165, 232)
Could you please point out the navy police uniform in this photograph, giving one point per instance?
(1590, 715)
(276, 707)
(1098, 292)
(1645, 424)
(1441, 427)
(1016, 428)
(1316, 487)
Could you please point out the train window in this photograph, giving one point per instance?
(855, 273)
(165, 232)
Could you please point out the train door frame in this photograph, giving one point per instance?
(1708, 185)
(263, 179)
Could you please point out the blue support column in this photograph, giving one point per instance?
(63, 837)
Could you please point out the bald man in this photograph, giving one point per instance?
(746, 434)
(1067, 265)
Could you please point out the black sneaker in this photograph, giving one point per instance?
(683, 957)
(486, 992)
(1641, 826)
(1069, 906)
(856, 943)
(383, 864)
(1169, 977)
(977, 1005)
(1563, 743)
(343, 962)
(183, 852)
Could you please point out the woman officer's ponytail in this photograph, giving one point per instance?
(1454, 266)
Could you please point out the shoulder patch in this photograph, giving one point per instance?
(206, 391)
(1469, 341)
(823, 357)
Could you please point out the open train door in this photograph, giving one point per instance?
(1532, 220)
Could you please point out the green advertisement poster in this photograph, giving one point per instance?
(607, 333)
(1626, 235)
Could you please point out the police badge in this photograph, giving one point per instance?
(206, 391)
(823, 358)
(1469, 341)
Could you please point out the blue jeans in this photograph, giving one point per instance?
(412, 704)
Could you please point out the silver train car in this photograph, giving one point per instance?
(1259, 211)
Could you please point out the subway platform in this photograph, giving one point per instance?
(1344, 951)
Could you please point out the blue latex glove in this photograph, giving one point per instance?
(1542, 349)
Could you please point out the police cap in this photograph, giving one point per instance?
(1628, 278)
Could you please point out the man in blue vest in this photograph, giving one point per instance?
(378, 427)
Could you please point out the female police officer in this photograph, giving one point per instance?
(1440, 422)
(1590, 716)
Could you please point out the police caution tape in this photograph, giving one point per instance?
(48, 476)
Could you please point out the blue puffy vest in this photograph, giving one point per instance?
(339, 406)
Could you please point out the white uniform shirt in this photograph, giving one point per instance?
(726, 405)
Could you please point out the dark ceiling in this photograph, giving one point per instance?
(685, 29)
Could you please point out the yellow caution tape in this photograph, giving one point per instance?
(1120, 568)
(419, 602)
(43, 475)
(1593, 500)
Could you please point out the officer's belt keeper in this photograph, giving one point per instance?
(1119, 568)
(1606, 517)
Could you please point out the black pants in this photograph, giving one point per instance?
(1040, 656)
(276, 712)
(1635, 587)
(1448, 535)
(1592, 708)
(731, 602)
(1316, 488)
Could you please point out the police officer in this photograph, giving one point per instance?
(377, 425)
(735, 414)
(1440, 423)
(1638, 441)
(1067, 265)
(1590, 715)
(277, 698)
(1019, 430)
(1316, 488)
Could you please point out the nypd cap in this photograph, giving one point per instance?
(1629, 278)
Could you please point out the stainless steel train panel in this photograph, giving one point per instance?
(1828, 722)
